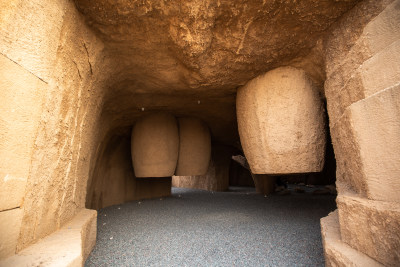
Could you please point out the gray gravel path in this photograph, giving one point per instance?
(199, 228)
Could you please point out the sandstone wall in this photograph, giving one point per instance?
(363, 94)
(51, 94)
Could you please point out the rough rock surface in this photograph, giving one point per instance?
(169, 55)
(357, 59)
(199, 44)
(368, 134)
(68, 246)
(338, 253)
(371, 227)
(362, 91)
(282, 123)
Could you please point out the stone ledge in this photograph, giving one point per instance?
(336, 252)
(69, 246)
(371, 227)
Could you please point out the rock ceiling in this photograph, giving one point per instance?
(169, 55)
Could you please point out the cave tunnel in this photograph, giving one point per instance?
(165, 151)
(201, 133)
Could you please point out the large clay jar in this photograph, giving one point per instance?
(155, 145)
(281, 122)
(194, 147)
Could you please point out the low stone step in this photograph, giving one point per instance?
(338, 253)
(371, 227)
(69, 246)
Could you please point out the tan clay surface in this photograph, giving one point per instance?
(194, 147)
(281, 123)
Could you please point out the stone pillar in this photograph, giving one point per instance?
(155, 145)
(282, 123)
(363, 99)
(194, 147)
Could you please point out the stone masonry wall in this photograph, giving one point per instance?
(363, 98)
(52, 95)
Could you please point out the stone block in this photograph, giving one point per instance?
(19, 115)
(69, 246)
(367, 144)
(337, 253)
(347, 50)
(30, 33)
(382, 70)
(384, 29)
(155, 145)
(358, 73)
(10, 223)
(281, 123)
(194, 147)
(371, 227)
(85, 222)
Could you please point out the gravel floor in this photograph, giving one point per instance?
(199, 228)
